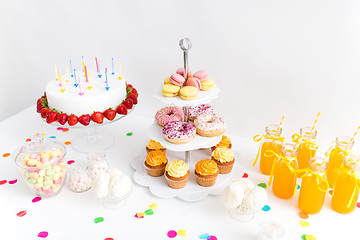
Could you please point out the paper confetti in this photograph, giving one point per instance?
(2, 182)
(43, 234)
(140, 215)
(6, 154)
(109, 238)
(52, 137)
(59, 128)
(245, 175)
(21, 213)
(13, 181)
(36, 199)
(358, 204)
(303, 215)
(309, 237)
(71, 162)
(153, 206)
(65, 130)
(304, 223)
(67, 142)
(28, 140)
(331, 192)
(266, 208)
(204, 236)
(129, 134)
(149, 212)
(171, 234)
(98, 220)
(298, 187)
(212, 238)
(263, 185)
(181, 232)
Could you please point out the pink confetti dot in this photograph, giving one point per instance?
(212, 238)
(71, 162)
(21, 213)
(245, 175)
(136, 215)
(59, 128)
(358, 204)
(36, 199)
(171, 234)
(13, 181)
(43, 234)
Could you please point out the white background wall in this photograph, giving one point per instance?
(269, 57)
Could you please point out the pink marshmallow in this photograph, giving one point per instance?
(58, 181)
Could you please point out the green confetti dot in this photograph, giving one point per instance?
(303, 237)
(98, 220)
(149, 212)
(129, 134)
(263, 185)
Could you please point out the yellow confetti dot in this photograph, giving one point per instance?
(43, 134)
(140, 214)
(153, 206)
(181, 232)
(304, 223)
(310, 237)
(67, 142)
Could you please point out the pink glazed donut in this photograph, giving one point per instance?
(179, 132)
(196, 111)
(169, 114)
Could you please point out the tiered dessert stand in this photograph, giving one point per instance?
(198, 148)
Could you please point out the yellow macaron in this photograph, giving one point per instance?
(167, 81)
(170, 90)
(207, 85)
(188, 92)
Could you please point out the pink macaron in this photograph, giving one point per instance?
(177, 79)
(181, 71)
(195, 82)
(202, 75)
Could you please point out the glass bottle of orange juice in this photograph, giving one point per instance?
(313, 186)
(283, 172)
(271, 141)
(342, 146)
(347, 186)
(307, 146)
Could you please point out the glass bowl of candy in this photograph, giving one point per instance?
(242, 214)
(42, 165)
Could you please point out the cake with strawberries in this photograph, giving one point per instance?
(86, 97)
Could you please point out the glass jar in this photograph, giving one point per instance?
(336, 158)
(79, 180)
(313, 186)
(284, 177)
(306, 146)
(42, 165)
(347, 186)
(97, 163)
(271, 141)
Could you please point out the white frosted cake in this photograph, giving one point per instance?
(88, 96)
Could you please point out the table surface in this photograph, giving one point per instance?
(71, 215)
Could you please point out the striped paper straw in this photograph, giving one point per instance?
(352, 139)
(316, 120)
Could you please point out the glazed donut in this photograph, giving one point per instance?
(169, 114)
(179, 132)
(209, 125)
(196, 111)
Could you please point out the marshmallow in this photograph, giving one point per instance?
(233, 195)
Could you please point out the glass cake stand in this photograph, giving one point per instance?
(92, 141)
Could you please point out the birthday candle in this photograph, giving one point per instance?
(67, 73)
(75, 84)
(71, 69)
(120, 77)
(56, 73)
(83, 65)
(97, 66)
(99, 70)
(88, 75)
(112, 66)
(80, 93)
(62, 86)
(107, 84)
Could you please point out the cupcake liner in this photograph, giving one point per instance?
(176, 184)
(155, 172)
(205, 182)
(224, 169)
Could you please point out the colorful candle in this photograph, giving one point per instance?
(71, 69)
(67, 74)
(120, 77)
(88, 76)
(75, 84)
(112, 66)
(97, 66)
(80, 92)
(99, 70)
(56, 73)
(83, 65)
(107, 84)
(62, 86)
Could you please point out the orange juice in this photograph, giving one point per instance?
(336, 158)
(347, 186)
(305, 153)
(284, 178)
(313, 189)
(307, 146)
(270, 142)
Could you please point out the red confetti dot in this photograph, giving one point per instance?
(6, 154)
(13, 181)
(43, 234)
(71, 162)
(171, 234)
(28, 140)
(21, 214)
(245, 175)
(331, 192)
(36, 199)
(358, 204)
(2, 182)
(65, 130)
(108, 239)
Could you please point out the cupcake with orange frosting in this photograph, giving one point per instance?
(206, 172)
(177, 174)
(154, 145)
(224, 159)
(225, 142)
(155, 163)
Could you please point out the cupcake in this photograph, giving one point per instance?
(177, 174)
(155, 163)
(225, 142)
(224, 158)
(206, 172)
(154, 145)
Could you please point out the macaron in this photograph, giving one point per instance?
(177, 79)
(181, 71)
(188, 92)
(170, 90)
(207, 85)
(202, 75)
(195, 82)
(167, 80)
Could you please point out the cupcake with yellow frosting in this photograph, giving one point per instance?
(224, 159)
(154, 145)
(206, 172)
(225, 142)
(177, 174)
(155, 163)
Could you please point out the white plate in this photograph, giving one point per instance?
(202, 98)
(154, 131)
(192, 191)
